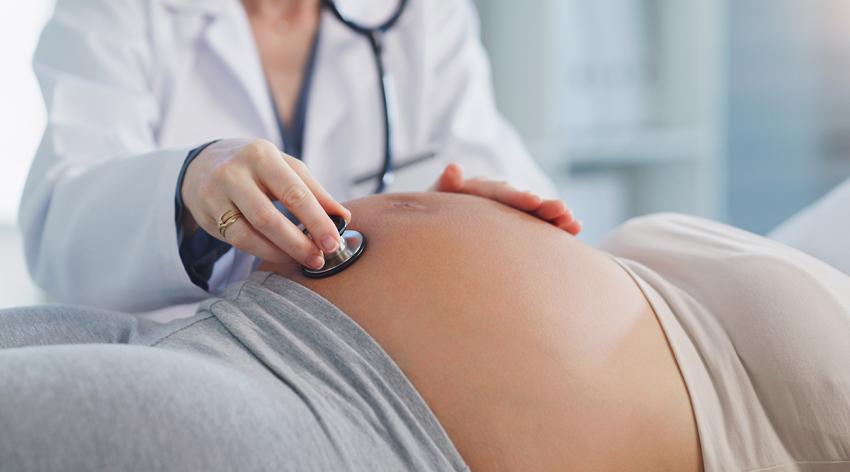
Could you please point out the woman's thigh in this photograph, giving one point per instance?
(123, 407)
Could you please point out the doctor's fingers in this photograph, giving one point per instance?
(274, 227)
(280, 180)
(331, 206)
(242, 236)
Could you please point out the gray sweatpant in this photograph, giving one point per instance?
(269, 377)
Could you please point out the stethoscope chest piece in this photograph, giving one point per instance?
(351, 246)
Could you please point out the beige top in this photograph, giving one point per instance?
(761, 333)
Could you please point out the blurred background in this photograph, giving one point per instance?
(738, 111)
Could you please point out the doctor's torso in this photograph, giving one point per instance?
(209, 82)
(132, 86)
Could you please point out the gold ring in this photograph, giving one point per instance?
(227, 218)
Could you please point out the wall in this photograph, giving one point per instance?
(788, 106)
(621, 101)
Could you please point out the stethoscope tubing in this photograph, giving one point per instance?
(353, 243)
(375, 36)
(367, 30)
(376, 40)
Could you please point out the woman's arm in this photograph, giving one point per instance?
(99, 209)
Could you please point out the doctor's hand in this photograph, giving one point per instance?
(554, 212)
(245, 176)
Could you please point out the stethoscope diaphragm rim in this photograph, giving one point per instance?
(329, 271)
(353, 239)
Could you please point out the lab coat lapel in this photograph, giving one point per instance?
(329, 105)
(229, 36)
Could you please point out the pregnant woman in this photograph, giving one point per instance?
(468, 336)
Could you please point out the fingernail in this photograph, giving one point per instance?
(330, 243)
(316, 261)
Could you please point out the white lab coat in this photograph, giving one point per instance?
(132, 85)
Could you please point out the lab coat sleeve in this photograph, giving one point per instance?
(467, 127)
(822, 230)
(97, 212)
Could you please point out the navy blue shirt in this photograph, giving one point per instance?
(200, 251)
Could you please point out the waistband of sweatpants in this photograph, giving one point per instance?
(353, 335)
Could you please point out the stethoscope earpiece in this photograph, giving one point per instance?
(351, 246)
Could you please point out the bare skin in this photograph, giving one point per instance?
(284, 32)
(535, 351)
(229, 187)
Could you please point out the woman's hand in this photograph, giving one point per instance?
(246, 176)
(552, 211)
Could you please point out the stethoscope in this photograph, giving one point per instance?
(375, 35)
(351, 246)
(352, 243)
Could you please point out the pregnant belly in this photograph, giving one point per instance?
(534, 351)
